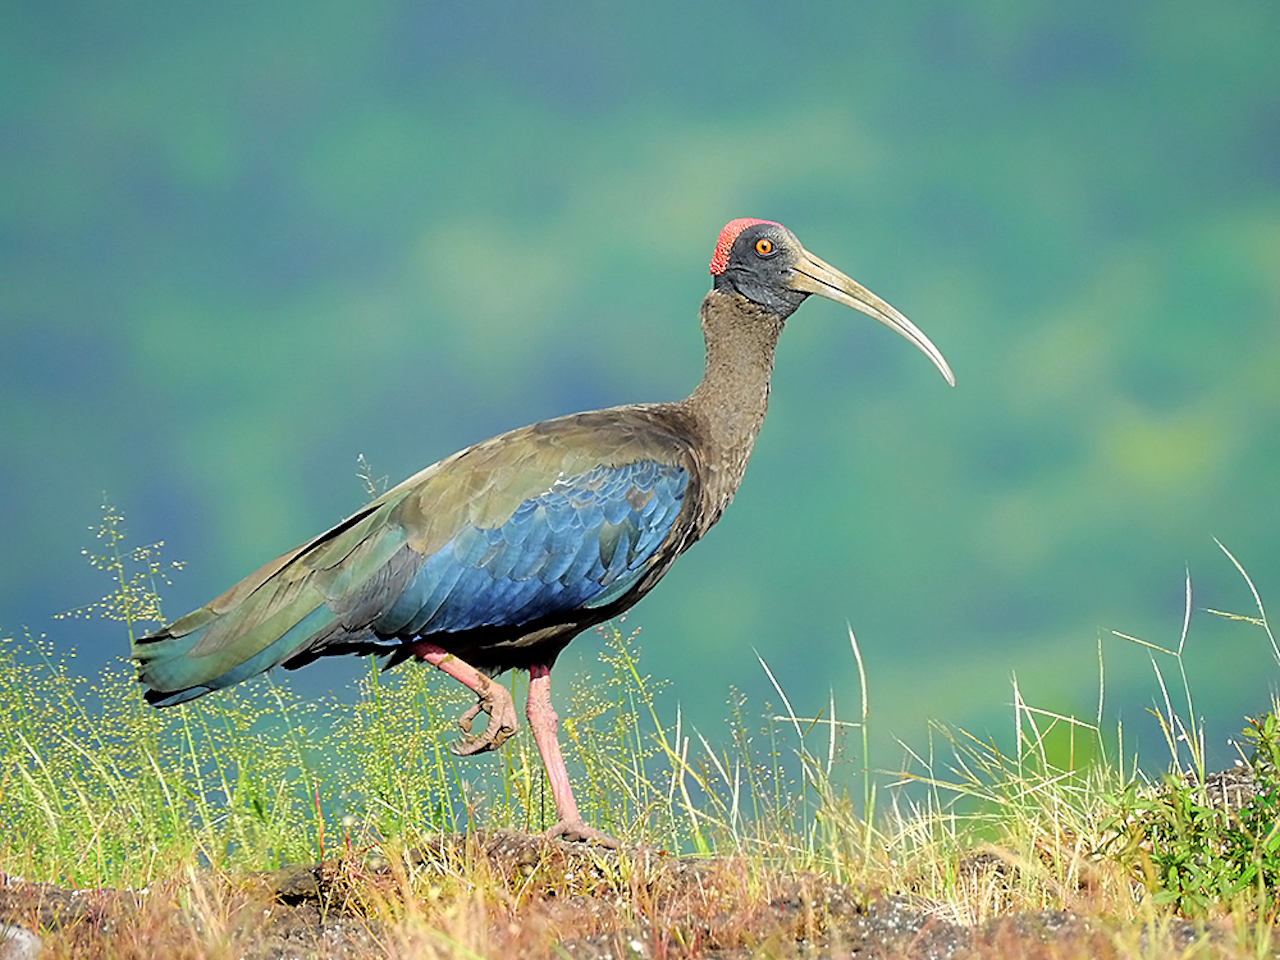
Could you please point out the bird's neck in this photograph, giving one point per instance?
(729, 404)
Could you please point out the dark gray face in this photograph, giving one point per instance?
(759, 268)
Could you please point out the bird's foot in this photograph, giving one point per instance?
(497, 703)
(575, 831)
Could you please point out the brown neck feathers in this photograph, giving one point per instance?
(729, 404)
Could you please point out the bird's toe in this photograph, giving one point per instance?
(575, 831)
(464, 721)
(496, 702)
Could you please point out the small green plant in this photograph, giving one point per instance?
(1255, 841)
(1205, 846)
(136, 572)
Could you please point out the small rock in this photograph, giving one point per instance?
(18, 943)
(293, 883)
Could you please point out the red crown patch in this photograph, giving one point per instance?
(720, 259)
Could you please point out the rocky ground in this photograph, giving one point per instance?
(508, 894)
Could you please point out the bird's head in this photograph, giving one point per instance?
(764, 262)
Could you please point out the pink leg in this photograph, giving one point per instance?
(542, 721)
(494, 700)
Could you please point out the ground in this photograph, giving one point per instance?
(509, 894)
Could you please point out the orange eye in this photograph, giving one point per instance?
(764, 246)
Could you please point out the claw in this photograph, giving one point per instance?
(496, 702)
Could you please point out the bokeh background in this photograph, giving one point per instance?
(243, 243)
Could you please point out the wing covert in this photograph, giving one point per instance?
(584, 542)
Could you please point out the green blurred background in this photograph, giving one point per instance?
(242, 243)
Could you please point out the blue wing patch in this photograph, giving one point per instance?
(583, 543)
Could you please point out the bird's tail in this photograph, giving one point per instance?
(257, 624)
(316, 600)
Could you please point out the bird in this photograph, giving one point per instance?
(495, 558)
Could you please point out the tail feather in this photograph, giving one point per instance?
(175, 670)
(312, 594)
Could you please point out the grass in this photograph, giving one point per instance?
(100, 790)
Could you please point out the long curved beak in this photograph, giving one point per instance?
(813, 275)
